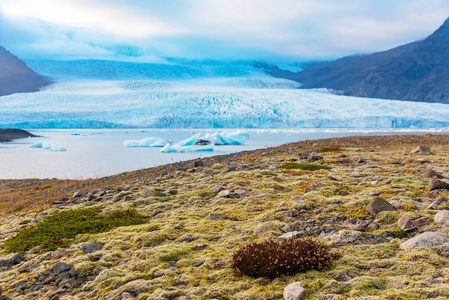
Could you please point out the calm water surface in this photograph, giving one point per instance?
(93, 153)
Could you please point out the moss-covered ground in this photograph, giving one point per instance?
(186, 244)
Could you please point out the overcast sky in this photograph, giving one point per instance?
(213, 29)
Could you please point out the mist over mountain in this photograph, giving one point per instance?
(417, 71)
(16, 77)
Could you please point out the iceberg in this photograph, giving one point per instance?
(36, 145)
(4, 147)
(206, 143)
(175, 149)
(50, 147)
(146, 142)
(231, 138)
(58, 148)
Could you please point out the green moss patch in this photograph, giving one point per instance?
(57, 230)
(306, 167)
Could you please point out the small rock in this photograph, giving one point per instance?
(345, 236)
(151, 193)
(315, 157)
(426, 239)
(5, 262)
(92, 247)
(373, 226)
(217, 217)
(289, 234)
(436, 184)
(16, 259)
(442, 218)
(429, 173)
(434, 204)
(297, 198)
(77, 194)
(67, 283)
(198, 163)
(21, 286)
(217, 188)
(423, 161)
(23, 270)
(199, 246)
(406, 224)
(396, 204)
(343, 193)
(61, 267)
(294, 291)
(287, 228)
(188, 238)
(224, 193)
(287, 213)
(423, 149)
(127, 295)
(379, 204)
(95, 257)
(359, 160)
(266, 227)
(421, 221)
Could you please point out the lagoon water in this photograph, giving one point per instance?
(93, 153)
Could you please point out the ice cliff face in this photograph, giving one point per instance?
(251, 101)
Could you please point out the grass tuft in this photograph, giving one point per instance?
(307, 167)
(57, 230)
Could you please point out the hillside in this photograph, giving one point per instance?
(418, 71)
(182, 248)
(16, 77)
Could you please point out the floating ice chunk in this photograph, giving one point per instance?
(47, 146)
(175, 148)
(53, 147)
(58, 148)
(36, 145)
(207, 148)
(190, 141)
(4, 147)
(231, 138)
(146, 142)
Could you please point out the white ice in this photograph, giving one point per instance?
(197, 96)
(222, 138)
(146, 142)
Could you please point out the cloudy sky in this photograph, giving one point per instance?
(149, 30)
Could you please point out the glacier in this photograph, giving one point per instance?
(99, 94)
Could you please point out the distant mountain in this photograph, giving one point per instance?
(418, 71)
(16, 77)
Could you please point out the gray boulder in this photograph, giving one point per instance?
(442, 218)
(426, 239)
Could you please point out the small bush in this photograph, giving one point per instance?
(271, 259)
(307, 167)
(56, 230)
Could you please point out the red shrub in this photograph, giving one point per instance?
(291, 256)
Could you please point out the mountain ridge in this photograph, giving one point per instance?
(418, 71)
(16, 76)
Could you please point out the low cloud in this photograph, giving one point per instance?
(213, 29)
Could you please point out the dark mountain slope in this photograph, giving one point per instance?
(418, 71)
(16, 77)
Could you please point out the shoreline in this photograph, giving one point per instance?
(171, 168)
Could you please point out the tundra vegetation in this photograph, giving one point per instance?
(173, 232)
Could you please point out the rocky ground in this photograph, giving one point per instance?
(382, 205)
